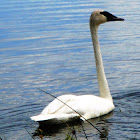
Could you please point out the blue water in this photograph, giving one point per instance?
(46, 44)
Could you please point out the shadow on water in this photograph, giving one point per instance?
(46, 128)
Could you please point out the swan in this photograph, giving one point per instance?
(88, 106)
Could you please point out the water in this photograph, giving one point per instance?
(46, 44)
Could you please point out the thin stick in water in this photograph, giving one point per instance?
(74, 111)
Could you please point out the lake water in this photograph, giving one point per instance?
(47, 44)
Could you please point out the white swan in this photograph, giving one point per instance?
(89, 106)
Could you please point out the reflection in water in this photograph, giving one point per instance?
(48, 129)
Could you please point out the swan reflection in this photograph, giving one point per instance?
(78, 126)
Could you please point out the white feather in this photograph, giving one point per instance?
(89, 106)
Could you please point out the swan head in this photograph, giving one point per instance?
(100, 16)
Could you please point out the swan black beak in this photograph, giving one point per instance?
(111, 17)
(114, 18)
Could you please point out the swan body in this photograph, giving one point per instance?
(88, 106)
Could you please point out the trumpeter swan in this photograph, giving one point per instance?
(89, 106)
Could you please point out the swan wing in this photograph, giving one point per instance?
(57, 105)
(57, 110)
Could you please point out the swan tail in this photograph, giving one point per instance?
(41, 118)
(54, 117)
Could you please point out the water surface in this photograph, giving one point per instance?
(46, 44)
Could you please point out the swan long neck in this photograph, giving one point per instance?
(102, 81)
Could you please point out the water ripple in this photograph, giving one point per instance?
(47, 44)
